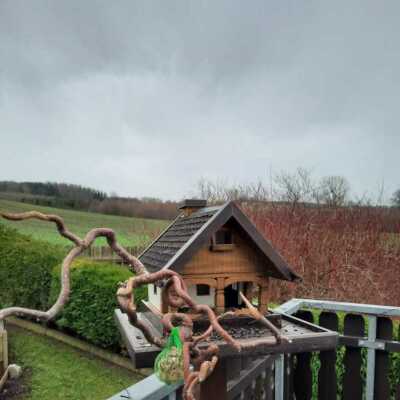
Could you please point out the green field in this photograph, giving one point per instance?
(130, 231)
(56, 371)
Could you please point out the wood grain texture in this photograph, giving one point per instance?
(215, 386)
(327, 381)
(242, 258)
(382, 363)
(303, 373)
(352, 380)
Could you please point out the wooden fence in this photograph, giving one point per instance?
(362, 366)
(315, 375)
(104, 253)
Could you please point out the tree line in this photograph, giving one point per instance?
(77, 197)
(298, 187)
(290, 188)
(300, 191)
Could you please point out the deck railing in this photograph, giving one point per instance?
(358, 369)
(150, 388)
(248, 379)
(363, 328)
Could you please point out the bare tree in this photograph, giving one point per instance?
(221, 191)
(288, 187)
(295, 187)
(334, 191)
(396, 198)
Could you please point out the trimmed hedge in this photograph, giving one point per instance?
(30, 277)
(26, 267)
(90, 310)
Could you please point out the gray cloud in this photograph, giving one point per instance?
(143, 98)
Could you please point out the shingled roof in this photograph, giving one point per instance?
(176, 245)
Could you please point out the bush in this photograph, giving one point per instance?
(26, 267)
(90, 310)
(342, 253)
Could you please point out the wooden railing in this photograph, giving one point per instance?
(104, 253)
(248, 379)
(361, 366)
(358, 369)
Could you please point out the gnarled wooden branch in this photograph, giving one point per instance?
(175, 294)
(80, 246)
(257, 315)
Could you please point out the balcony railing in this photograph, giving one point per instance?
(359, 368)
(366, 328)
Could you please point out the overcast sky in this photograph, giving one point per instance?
(144, 98)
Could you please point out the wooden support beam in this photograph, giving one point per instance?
(164, 306)
(220, 296)
(263, 298)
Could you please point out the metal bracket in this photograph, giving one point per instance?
(378, 345)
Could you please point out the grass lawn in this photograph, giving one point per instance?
(130, 231)
(53, 371)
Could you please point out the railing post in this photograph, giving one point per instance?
(369, 392)
(279, 376)
(215, 386)
(3, 349)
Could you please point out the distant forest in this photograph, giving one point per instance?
(76, 197)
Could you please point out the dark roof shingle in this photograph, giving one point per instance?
(175, 237)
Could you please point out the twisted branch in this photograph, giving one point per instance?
(174, 294)
(80, 246)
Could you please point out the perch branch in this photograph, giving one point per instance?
(257, 315)
(175, 294)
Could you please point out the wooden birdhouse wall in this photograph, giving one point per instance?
(237, 259)
(221, 265)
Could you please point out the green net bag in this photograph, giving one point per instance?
(169, 363)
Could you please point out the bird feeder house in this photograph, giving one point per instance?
(219, 253)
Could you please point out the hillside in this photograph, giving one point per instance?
(79, 198)
(130, 231)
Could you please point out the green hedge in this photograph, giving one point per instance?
(90, 310)
(30, 277)
(26, 267)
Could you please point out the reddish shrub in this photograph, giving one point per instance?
(341, 253)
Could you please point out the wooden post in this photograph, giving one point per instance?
(215, 386)
(249, 290)
(164, 306)
(3, 349)
(220, 296)
(263, 297)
